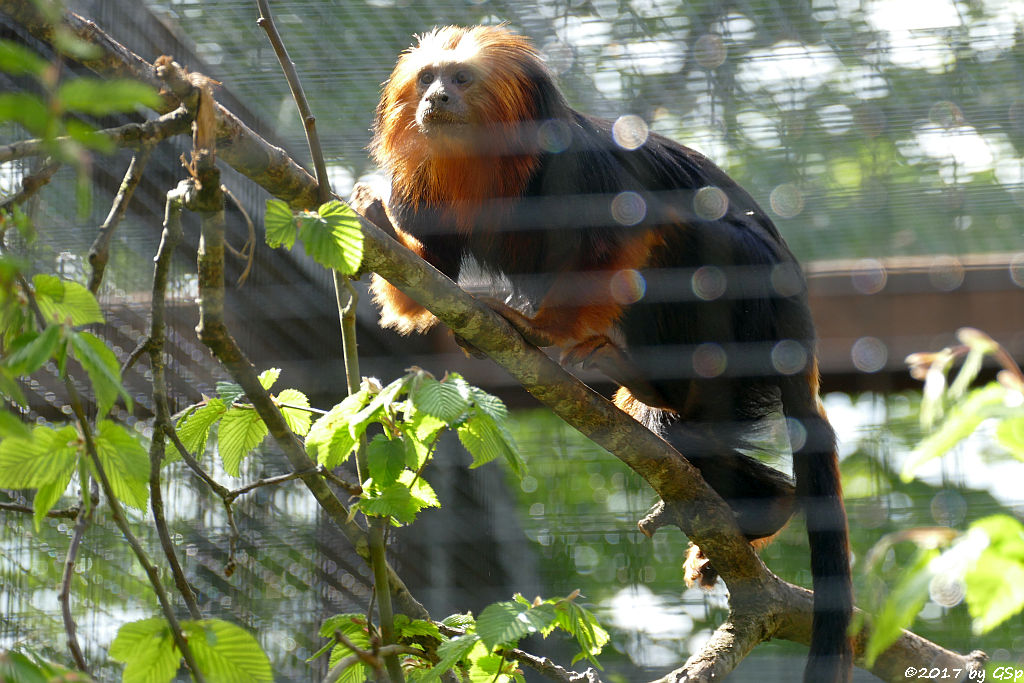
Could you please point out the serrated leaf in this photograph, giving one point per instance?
(333, 237)
(18, 60)
(450, 653)
(125, 462)
(11, 426)
(241, 430)
(279, 224)
(353, 627)
(386, 458)
(63, 300)
(49, 494)
(401, 501)
(582, 625)
(227, 653)
(485, 440)
(298, 420)
(30, 356)
(505, 623)
(444, 400)
(229, 392)
(100, 364)
(269, 377)
(100, 96)
(147, 650)
(461, 621)
(384, 399)
(406, 627)
(329, 440)
(194, 427)
(489, 404)
(38, 460)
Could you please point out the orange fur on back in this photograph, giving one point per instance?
(441, 174)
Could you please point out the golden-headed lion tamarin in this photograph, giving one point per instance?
(639, 257)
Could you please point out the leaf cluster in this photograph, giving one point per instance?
(409, 415)
(223, 651)
(47, 457)
(331, 235)
(480, 650)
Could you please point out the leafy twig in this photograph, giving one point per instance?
(117, 512)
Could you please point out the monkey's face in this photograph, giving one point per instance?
(444, 93)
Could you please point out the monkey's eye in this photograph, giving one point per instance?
(463, 77)
(426, 78)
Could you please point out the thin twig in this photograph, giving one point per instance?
(66, 513)
(64, 596)
(99, 253)
(138, 135)
(32, 183)
(169, 239)
(269, 481)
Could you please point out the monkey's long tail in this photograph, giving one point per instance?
(819, 492)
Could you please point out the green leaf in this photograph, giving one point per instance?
(1010, 434)
(329, 440)
(18, 60)
(147, 650)
(26, 109)
(901, 605)
(11, 426)
(194, 427)
(582, 625)
(386, 458)
(373, 410)
(279, 223)
(298, 420)
(39, 460)
(505, 623)
(229, 392)
(961, 422)
(333, 237)
(49, 494)
(31, 356)
(126, 463)
(63, 300)
(444, 400)
(102, 96)
(402, 500)
(269, 377)
(100, 363)
(241, 430)
(408, 628)
(18, 668)
(353, 627)
(486, 440)
(995, 581)
(89, 137)
(489, 404)
(227, 653)
(450, 653)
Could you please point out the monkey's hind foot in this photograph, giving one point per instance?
(697, 569)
